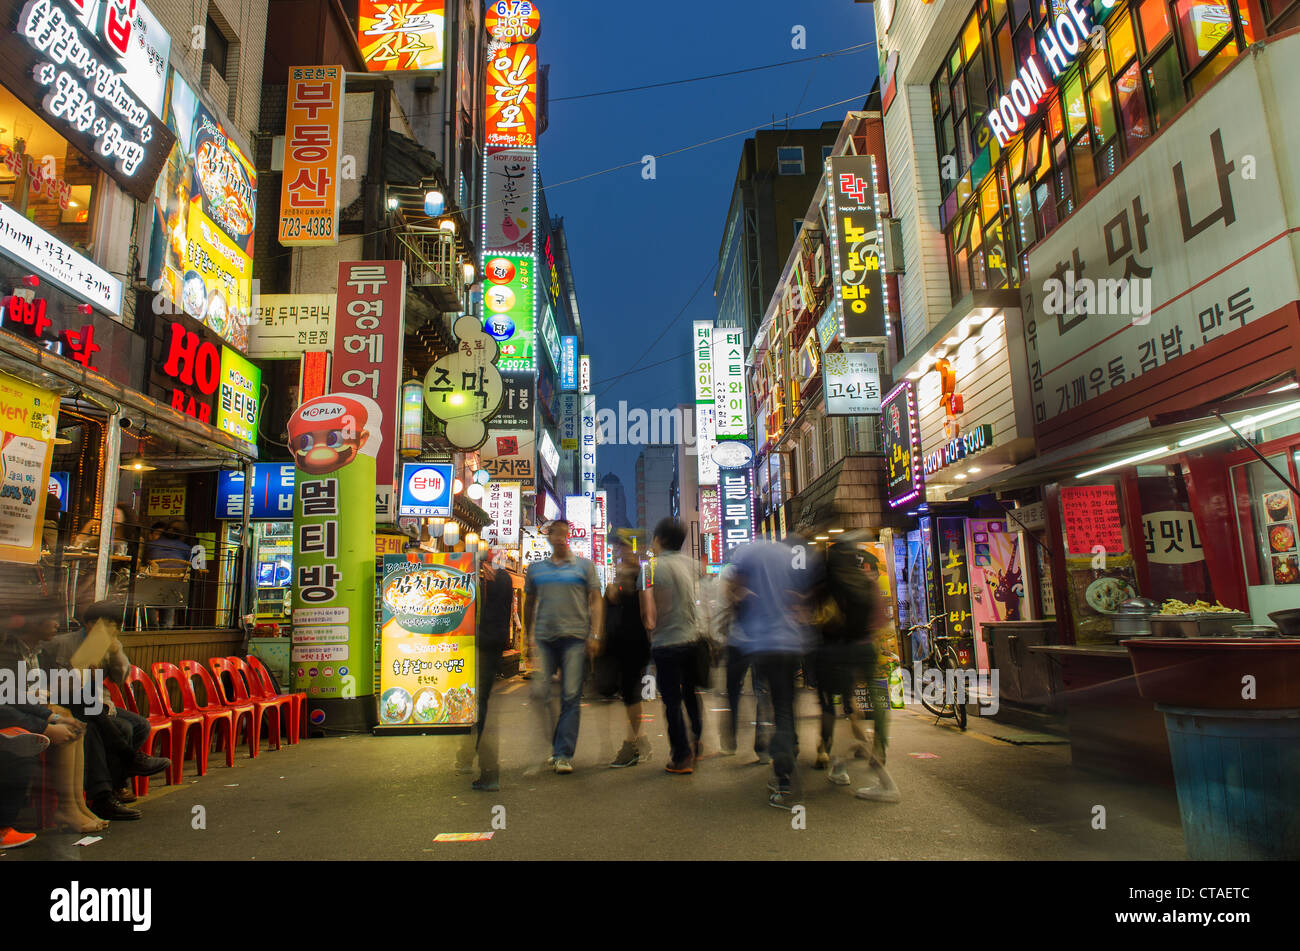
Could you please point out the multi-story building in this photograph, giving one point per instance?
(654, 485)
(777, 173)
(685, 490)
(616, 493)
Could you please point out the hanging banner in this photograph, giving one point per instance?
(426, 641)
(577, 511)
(313, 139)
(28, 418)
(854, 211)
(501, 500)
(509, 213)
(851, 382)
(729, 392)
(368, 343)
(333, 439)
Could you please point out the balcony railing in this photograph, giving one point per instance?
(431, 263)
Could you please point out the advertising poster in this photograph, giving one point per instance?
(997, 587)
(368, 344)
(508, 302)
(241, 396)
(512, 97)
(401, 35)
(1096, 593)
(28, 416)
(313, 139)
(333, 439)
(426, 641)
(205, 205)
(510, 207)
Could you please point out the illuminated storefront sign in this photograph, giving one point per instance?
(190, 370)
(512, 21)
(550, 455)
(584, 374)
(510, 456)
(569, 363)
(509, 298)
(577, 511)
(587, 462)
(285, 326)
(241, 396)
(855, 248)
(401, 35)
(426, 490)
(955, 450)
(509, 213)
(25, 242)
(702, 333)
(852, 384)
(313, 135)
(904, 481)
(730, 398)
(737, 493)
(512, 97)
(501, 501)
(1059, 44)
(552, 337)
(84, 81)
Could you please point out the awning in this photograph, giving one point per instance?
(1150, 440)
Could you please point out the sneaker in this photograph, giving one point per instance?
(16, 741)
(13, 839)
(627, 756)
(838, 774)
(782, 798)
(563, 765)
(643, 749)
(883, 791)
(144, 765)
(486, 785)
(680, 767)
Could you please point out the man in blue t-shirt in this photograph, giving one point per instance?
(563, 614)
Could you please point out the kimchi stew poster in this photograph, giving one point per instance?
(426, 650)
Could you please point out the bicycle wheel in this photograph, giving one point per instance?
(958, 705)
(940, 708)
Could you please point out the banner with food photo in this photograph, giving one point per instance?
(426, 646)
(205, 206)
(1097, 592)
(1284, 559)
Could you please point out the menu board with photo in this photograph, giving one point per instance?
(1284, 561)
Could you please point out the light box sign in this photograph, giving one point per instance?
(512, 97)
(141, 45)
(510, 456)
(81, 80)
(702, 334)
(584, 374)
(426, 490)
(852, 384)
(402, 35)
(240, 399)
(28, 418)
(509, 212)
(706, 440)
(512, 21)
(550, 455)
(508, 300)
(31, 245)
(737, 499)
(204, 208)
(313, 138)
(552, 337)
(729, 391)
(569, 363)
(577, 511)
(856, 250)
(518, 390)
(587, 460)
(285, 326)
(976, 439)
(904, 481)
(272, 493)
(501, 501)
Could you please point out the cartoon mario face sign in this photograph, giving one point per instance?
(328, 432)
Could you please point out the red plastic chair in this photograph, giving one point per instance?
(160, 727)
(238, 693)
(168, 676)
(297, 701)
(181, 724)
(212, 696)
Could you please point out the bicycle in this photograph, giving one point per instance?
(941, 656)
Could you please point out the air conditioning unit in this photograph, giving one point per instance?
(892, 238)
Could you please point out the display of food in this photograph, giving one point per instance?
(395, 705)
(1106, 594)
(429, 706)
(194, 295)
(1175, 607)
(225, 186)
(1278, 505)
(1286, 569)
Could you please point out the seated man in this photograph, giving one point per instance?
(19, 748)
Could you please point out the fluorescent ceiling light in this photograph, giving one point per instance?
(1149, 454)
(1288, 386)
(1241, 424)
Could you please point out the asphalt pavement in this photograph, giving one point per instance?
(964, 796)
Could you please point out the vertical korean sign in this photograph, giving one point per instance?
(512, 97)
(587, 467)
(904, 481)
(313, 124)
(426, 641)
(705, 415)
(28, 415)
(954, 576)
(729, 397)
(368, 356)
(501, 500)
(333, 440)
(737, 509)
(599, 531)
(855, 248)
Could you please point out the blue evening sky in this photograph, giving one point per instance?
(639, 248)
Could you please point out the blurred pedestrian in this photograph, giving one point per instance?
(563, 615)
(628, 644)
(774, 579)
(882, 789)
(739, 663)
(497, 598)
(674, 632)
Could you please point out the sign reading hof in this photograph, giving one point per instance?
(852, 384)
(855, 247)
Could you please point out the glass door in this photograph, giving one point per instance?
(1266, 512)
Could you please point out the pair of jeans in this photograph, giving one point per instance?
(779, 671)
(674, 675)
(737, 666)
(569, 656)
(111, 745)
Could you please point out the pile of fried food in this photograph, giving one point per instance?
(1174, 606)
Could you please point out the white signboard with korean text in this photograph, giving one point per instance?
(285, 326)
(534, 546)
(1185, 244)
(729, 396)
(587, 458)
(501, 502)
(29, 244)
(510, 456)
(851, 382)
(148, 45)
(577, 510)
(706, 440)
(702, 331)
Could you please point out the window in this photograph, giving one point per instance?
(789, 159)
(828, 440)
(216, 48)
(826, 151)
(798, 226)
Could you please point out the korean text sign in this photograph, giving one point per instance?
(399, 35)
(272, 493)
(587, 460)
(508, 302)
(510, 456)
(512, 97)
(510, 207)
(954, 575)
(313, 137)
(426, 489)
(368, 337)
(285, 326)
(240, 399)
(904, 478)
(852, 384)
(855, 247)
(333, 439)
(569, 363)
(29, 415)
(729, 388)
(702, 336)
(1090, 516)
(501, 500)
(577, 510)
(737, 499)
(426, 640)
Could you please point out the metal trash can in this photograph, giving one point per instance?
(1238, 775)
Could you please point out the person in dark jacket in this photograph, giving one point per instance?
(496, 604)
(628, 643)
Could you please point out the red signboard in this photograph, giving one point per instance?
(1091, 517)
(192, 370)
(367, 361)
